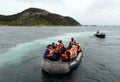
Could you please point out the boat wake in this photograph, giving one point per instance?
(16, 54)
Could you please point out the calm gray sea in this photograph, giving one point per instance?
(21, 50)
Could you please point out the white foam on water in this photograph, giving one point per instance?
(14, 55)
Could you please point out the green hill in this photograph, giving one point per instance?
(35, 16)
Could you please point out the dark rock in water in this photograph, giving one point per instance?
(35, 16)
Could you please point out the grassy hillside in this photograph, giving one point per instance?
(34, 16)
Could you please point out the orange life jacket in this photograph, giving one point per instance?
(58, 47)
(78, 47)
(61, 45)
(73, 53)
(64, 56)
(51, 51)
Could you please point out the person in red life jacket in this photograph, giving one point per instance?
(49, 53)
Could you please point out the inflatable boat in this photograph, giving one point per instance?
(60, 66)
(100, 35)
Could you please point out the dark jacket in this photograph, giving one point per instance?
(46, 53)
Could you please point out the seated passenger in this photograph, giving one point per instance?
(78, 48)
(66, 56)
(72, 42)
(62, 48)
(73, 51)
(49, 53)
(53, 45)
(59, 49)
(69, 54)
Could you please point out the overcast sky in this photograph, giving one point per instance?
(97, 12)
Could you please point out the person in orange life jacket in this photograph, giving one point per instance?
(49, 53)
(78, 48)
(72, 42)
(62, 48)
(61, 43)
(53, 45)
(58, 49)
(58, 46)
(46, 52)
(73, 51)
(66, 56)
(69, 54)
(55, 51)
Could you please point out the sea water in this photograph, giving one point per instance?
(22, 48)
